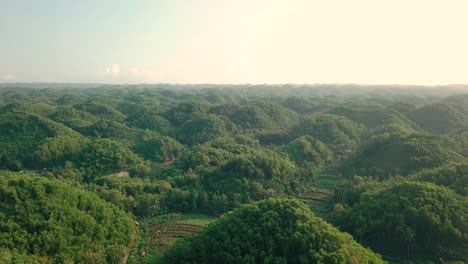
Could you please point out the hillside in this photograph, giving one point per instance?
(271, 231)
(439, 118)
(48, 221)
(397, 154)
(337, 132)
(155, 151)
(28, 140)
(370, 116)
(453, 176)
(405, 220)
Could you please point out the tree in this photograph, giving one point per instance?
(409, 220)
(270, 231)
(50, 220)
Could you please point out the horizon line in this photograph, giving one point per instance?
(239, 84)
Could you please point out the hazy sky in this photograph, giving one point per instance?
(234, 41)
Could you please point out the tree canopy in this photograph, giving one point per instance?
(396, 154)
(271, 231)
(380, 162)
(48, 221)
(407, 220)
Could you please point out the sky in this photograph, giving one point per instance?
(234, 41)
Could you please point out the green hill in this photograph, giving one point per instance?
(337, 132)
(307, 150)
(264, 116)
(42, 109)
(74, 118)
(271, 231)
(459, 101)
(101, 110)
(406, 220)
(28, 140)
(439, 118)
(399, 154)
(454, 176)
(231, 174)
(50, 222)
(371, 117)
(201, 130)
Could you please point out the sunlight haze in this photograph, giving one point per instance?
(245, 41)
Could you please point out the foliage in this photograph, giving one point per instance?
(201, 130)
(409, 220)
(264, 116)
(186, 111)
(439, 118)
(156, 148)
(104, 156)
(39, 108)
(307, 150)
(148, 117)
(395, 154)
(228, 174)
(454, 176)
(73, 118)
(371, 117)
(33, 141)
(211, 148)
(104, 111)
(107, 129)
(270, 231)
(45, 218)
(336, 131)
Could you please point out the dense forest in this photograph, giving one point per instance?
(289, 173)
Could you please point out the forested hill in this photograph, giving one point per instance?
(271, 231)
(153, 153)
(48, 221)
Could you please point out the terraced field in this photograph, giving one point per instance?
(158, 234)
(162, 237)
(320, 197)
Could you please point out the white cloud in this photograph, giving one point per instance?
(115, 69)
(135, 71)
(121, 74)
(8, 78)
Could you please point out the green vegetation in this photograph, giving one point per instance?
(371, 117)
(271, 231)
(453, 176)
(28, 140)
(48, 221)
(371, 160)
(268, 116)
(337, 132)
(73, 118)
(306, 149)
(408, 220)
(158, 234)
(439, 118)
(201, 130)
(321, 195)
(395, 154)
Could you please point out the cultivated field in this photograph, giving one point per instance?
(158, 234)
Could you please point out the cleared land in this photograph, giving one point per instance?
(320, 196)
(158, 234)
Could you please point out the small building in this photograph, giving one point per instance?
(123, 174)
(344, 154)
(169, 160)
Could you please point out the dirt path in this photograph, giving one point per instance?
(130, 247)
